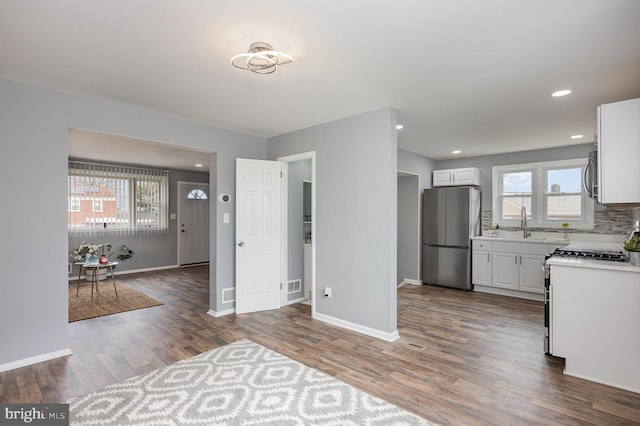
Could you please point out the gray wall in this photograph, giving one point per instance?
(298, 172)
(356, 227)
(34, 123)
(486, 162)
(408, 228)
(417, 164)
(151, 251)
(423, 167)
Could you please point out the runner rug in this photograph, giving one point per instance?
(238, 384)
(83, 306)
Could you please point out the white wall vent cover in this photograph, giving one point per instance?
(294, 286)
(228, 295)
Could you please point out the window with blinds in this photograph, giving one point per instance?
(121, 199)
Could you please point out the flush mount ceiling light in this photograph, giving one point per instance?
(399, 127)
(261, 59)
(577, 136)
(457, 151)
(559, 93)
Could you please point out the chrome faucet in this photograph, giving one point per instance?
(523, 222)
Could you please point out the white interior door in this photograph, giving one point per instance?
(258, 192)
(193, 226)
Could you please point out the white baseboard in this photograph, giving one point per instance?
(133, 271)
(294, 301)
(34, 359)
(510, 293)
(221, 313)
(191, 265)
(155, 268)
(409, 281)
(388, 337)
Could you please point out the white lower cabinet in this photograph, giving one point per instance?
(519, 271)
(513, 266)
(481, 267)
(481, 262)
(531, 273)
(505, 266)
(595, 323)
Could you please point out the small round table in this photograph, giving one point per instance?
(94, 270)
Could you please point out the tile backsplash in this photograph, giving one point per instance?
(606, 221)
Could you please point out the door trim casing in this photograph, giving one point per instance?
(310, 155)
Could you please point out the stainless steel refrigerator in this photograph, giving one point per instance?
(450, 218)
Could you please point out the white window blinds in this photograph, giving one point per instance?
(131, 199)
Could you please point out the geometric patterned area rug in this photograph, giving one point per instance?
(242, 383)
(83, 306)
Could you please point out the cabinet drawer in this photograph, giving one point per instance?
(482, 245)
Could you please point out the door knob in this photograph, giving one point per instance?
(241, 244)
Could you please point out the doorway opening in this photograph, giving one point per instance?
(298, 229)
(408, 229)
(263, 219)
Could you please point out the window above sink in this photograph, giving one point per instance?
(550, 192)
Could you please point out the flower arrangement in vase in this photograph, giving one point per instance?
(88, 253)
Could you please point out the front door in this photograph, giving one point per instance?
(258, 192)
(194, 222)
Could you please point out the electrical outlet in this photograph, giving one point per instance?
(327, 292)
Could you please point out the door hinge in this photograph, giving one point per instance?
(280, 286)
(280, 174)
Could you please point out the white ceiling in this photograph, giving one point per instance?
(466, 74)
(85, 144)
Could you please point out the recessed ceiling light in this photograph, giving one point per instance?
(577, 136)
(559, 93)
(399, 127)
(198, 165)
(457, 151)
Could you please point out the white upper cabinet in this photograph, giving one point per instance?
(619, 152)
(456, 177)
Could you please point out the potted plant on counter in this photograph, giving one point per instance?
(632, 245)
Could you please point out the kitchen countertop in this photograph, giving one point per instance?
(593, 264)
(576, 241)
(532, 240)
(551, 238)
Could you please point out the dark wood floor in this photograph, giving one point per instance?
(462, 359)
